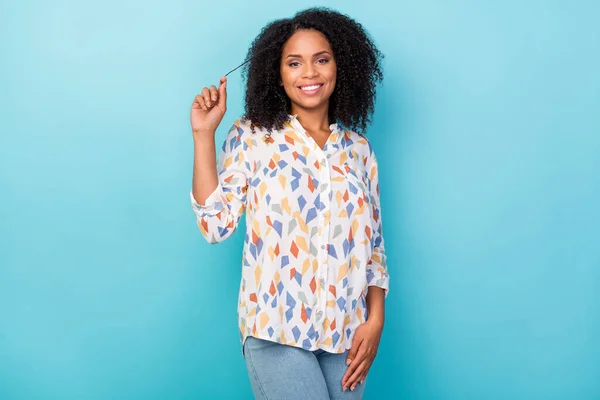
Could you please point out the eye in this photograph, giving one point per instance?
(294, 64)
(323, 60)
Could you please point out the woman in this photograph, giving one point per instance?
(314, 274)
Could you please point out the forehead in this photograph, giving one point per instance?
(306, 42)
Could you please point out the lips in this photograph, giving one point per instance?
(311, 89)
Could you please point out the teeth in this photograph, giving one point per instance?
(313, 87)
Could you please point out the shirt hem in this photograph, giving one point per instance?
(332, 350)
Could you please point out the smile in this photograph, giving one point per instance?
(311, 89)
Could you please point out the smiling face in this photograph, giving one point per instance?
(308, 70)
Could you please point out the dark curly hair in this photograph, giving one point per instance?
(358, 70)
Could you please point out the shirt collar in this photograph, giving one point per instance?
(334, 128)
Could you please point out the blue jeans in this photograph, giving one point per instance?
(282, 372)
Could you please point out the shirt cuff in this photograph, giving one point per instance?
(377, 275)
(212, 206)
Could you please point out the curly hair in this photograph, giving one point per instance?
(358, 70)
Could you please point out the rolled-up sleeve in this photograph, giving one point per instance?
(219, 216)
(377, 271)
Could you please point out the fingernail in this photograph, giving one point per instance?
(348, 362)
(214, 98)
(352, 388)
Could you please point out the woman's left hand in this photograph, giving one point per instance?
(364, 349)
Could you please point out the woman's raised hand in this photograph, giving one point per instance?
(208, 109)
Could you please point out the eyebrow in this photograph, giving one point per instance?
(314, 55)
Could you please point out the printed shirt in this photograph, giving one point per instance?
(313, 242)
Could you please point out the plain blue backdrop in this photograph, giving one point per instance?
(487, 128)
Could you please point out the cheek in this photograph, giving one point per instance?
(288, 88)
(332, 75)
(333, 82)
(288, 91)
(287, 77)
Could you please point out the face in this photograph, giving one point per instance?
(308, 70)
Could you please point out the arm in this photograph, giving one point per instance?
(218, 192)
(221, 188)
(368, 335)
(204, 178)
(376, 306)
(377, 271)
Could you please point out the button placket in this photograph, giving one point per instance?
(323, 254)
(324, 223)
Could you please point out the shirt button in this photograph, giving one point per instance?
(323, 246)
(319, 314)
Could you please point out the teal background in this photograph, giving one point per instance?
(488, 134)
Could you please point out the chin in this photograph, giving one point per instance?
(311, 105)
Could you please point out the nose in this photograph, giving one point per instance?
(310, 71)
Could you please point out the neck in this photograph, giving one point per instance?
(314, 120)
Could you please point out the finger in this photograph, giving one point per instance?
(223, 93)
(213, 94)
(355, 378)
(206, 95)
(364, 376)
(199, 102)
(356, 342)
(351, 383)
(360, 357)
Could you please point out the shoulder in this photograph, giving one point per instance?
(359, 142)
(241, 130)
(248, 127)
(245, 130)
(246, 137)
